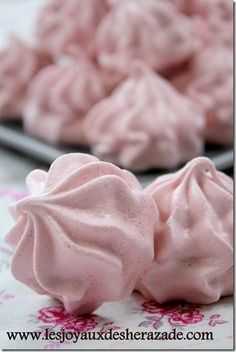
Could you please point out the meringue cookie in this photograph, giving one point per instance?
(217, 28)
(213, 19)
(209, 82)
(150, 30)
(18, 65)
(215, 31)
(84, 235)
(206, 8)
(59, 98)
(194, 241)
(63, 23)
(145, 123)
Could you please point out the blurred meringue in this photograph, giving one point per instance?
(206, 8)
(59, 98)
(64, 23)
(84, 235)
(213, 19)
(150, 30)
(194, 241)
(18, 65)
(145, 124)
(208, 80)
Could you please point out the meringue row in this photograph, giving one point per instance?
(145, 93)
(88, 234)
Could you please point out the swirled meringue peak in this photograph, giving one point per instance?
(150, 30)
(64, 23)
(209, 82)
(194, 241)
(59, 97)
(18, 65)
(145, 124)
(84, 235)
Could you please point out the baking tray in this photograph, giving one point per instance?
(13, 136)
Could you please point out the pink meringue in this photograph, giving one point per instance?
(209, 82)
(206, 8)
(59, 98)
(84, 235)
(194, 241)
(215, 31)
(145, 123)
(64, 23)
(150, 30)
(18, 65)
(213, 19)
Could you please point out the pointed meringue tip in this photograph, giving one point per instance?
(202, 161)
(202, 164)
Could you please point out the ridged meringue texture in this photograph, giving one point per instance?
(213, 20)
(215, 31)
(84, 235)
(64, 23)
(209, 82)
(18, 65)
(194, 241)
(59, 98)
(146, 123)
(206, 8)
(150, 30)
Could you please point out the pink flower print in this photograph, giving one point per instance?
(214, 320)
(185, 316)
(80, 324)
(56, 315)
(15, 195)
(153, 307)
(5, 296)
(177, 314)
(109, 326)
(19, 195)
